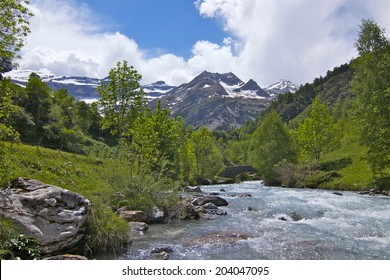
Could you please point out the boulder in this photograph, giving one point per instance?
(209, 206)
(217, 201)
(56, 217)
(138, 226)
(156, 215)
(131, 215)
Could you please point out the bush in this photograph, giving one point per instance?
(14, 245)
(106, 232)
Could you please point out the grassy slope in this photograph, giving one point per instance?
(87, 176)
(356, 173)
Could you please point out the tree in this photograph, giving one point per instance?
(371, 38)
(121, 99)
(154, 137)
(208, 158)
(14, 17)
(271, 144)
(316, 133)
(38, 101)
(371, 86)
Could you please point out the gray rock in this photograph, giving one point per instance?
(245, 195)
(131, 215)
(156, 215)
(218, 212)
(56, 217)
(210, 206)
(138, 226)
(217, 201)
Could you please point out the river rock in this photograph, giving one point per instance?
(245, 195)
(56, 217)
(209, 206)
(218, 212)
(216, 200)
(138, 226)
(66, 257)
(295, 216)
(156, 215)
(219, 237)
(193, 189)
(132, 216)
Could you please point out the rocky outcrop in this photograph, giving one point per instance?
(56, 217)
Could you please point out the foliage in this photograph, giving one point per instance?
(121, 98)
(154, 139)
(371, 85)
(208, 159)
(271, 144)
(14, 17)
(105, 233)
(14, 245)
(316, 133)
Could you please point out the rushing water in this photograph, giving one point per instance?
(350, 226)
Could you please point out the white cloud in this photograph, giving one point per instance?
(294, 39)
(269, 39)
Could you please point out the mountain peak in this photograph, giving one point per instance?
(281, 86)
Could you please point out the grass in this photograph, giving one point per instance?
(349, 160)
(88, 176)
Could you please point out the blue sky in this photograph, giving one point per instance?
(175, 40)
(170, 26)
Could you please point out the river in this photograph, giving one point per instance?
(348, 226)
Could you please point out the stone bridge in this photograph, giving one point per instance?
(233, 171)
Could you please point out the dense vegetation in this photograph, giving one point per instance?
(332, 133)
(339, 125)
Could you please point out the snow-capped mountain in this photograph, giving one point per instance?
(279, 87)
(156, 90)
(219, 101)
(83, 88)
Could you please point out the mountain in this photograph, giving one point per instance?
(279, 87)
(219, 101)
(83, 88)
(156, 90)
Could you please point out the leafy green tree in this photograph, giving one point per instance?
(121, 99)
(38, 101)
(14, 27)
(371, 85)
(208, 157)
(316, 133)
(271, 144)
(154, 138)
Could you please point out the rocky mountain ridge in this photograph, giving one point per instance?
(219, 101)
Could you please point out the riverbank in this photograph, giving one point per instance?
(99, 180)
